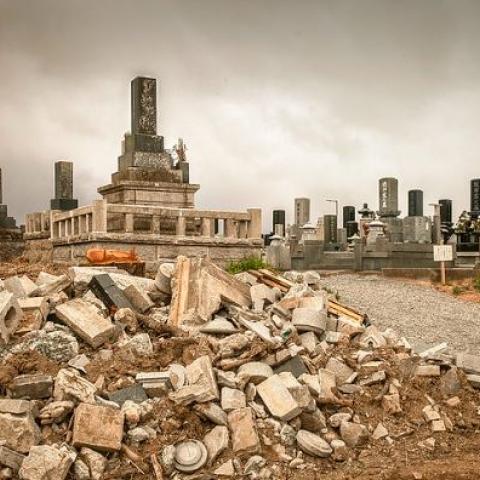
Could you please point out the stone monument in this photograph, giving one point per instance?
(6, 222)
(149, 174)
(63, 187)
(388, 211)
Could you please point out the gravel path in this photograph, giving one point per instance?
(420, 313)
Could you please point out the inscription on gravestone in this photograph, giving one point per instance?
(64, 180)
(144, 106)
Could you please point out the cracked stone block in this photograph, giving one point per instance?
(278, 399)
(48, 462)
(99, 428)
(244, 431)
(83, 318)
(18, 429)
(35, 386)
(10, 315)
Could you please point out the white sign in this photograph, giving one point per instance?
(442, 253)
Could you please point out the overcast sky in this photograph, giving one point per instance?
(275, 99)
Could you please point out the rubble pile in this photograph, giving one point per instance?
(200, 374)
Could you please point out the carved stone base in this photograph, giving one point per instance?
(162, 194)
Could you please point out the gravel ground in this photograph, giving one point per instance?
(418, 312)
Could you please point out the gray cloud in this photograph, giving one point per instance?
(274, 98)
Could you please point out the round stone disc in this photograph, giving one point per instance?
(190, 455)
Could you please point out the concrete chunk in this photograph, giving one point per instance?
(10, 458)
(469, 363)
(428, 371)
(100, 428)
(139, 299)
(254, 372)
(309, 320)
(34, 304)
(278, 399)
(244, 431)
(83, 319)
(18, 429)
(57, 286)
(232, 399)
(342, 371)
(48, 462)
(34, 386)
(199, 288)
(216, 441)
(10, 315)
(19, 286)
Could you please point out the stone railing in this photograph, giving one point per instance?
(37, 224)
(103, 217)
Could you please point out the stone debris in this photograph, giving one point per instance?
(83, 319)
(198, 371)
(47, 462)
(99, 428)
(10, 315)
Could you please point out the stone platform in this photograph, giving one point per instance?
(157, 233)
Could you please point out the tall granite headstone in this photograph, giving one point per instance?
(63, 187)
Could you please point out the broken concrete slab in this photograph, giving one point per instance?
(18, 429)
(216, 441)
(199, 288)
(82, 317)
(294, 365)
(300, 393)
(219, 326)
(469, 363)
(307, 319)
(254, 372)
(35, 386)
(139, 299)
(44, 277)
(48, 289)
(10, 458)
(99, 428)
(34, 304)
(70, 385)
(278, 399)
(202, 385)
(48, 462)
(244, 431)
(341, 370)
(19, 286)
(10, 315)
(212, 412)
(427, 371)
(232, 399)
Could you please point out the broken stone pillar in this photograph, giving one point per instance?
(199, 288)
(63, 187)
